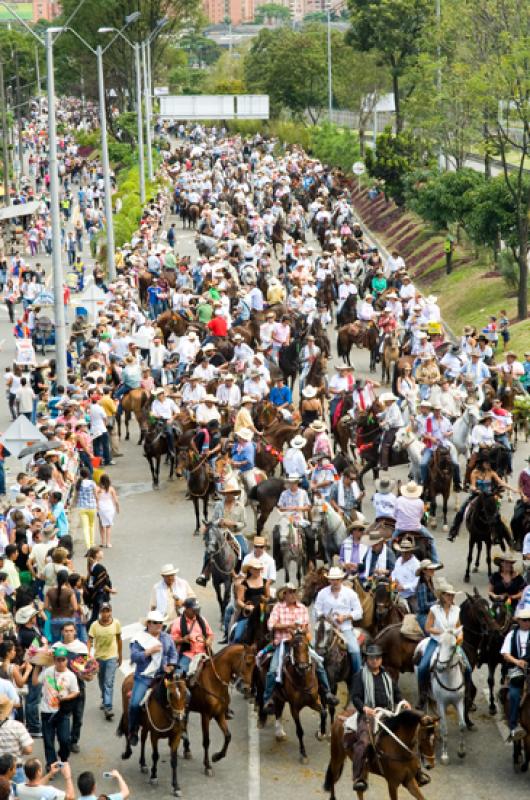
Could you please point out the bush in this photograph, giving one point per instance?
(338, 148)
(509, 269)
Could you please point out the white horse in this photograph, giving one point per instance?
(448, 687)
(462, 430)
(406, 439)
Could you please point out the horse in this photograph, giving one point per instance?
(348, 311)
(136, 402)
(314, 581)
(156, 446)
(163, 717)
(265, 496)
(462, 428)
(405, 439)
(396, 756)
(299, 689)
(387, 607)
(288, 361)
(398, 650)
(209, 694)
(200, 482)
(289, 548)
(482, 523)
(390, 355)
(439, 479)
(170, 322)
(448, 687)
(328, 529)
(223, 560)
(331, 647)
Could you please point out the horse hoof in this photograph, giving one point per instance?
(461, 753)
(445, 528)
(433, 523)
(475, 569)
(153, 781)
(466, 578)
(444, 759)
(304, 760)
(144, 770)
(208, 772)
(493, 710)
(177, 793)
(280, 736)
(187, 755)
(320, 736)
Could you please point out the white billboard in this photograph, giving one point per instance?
(215, 106)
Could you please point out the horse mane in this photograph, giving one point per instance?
(409, 718)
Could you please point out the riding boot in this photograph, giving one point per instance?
(204, 577)
(268, 703)
(457, 484)
(455, 527)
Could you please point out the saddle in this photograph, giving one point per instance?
(411, 629)
(195, 669)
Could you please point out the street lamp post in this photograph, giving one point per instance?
(147, 95)
(330, 86)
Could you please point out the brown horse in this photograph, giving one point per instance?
(390, 355)
(398, 650)
(170, 322)
(163, 717)
(387, 608)
(134, 402)
(396, 756)
(439, 481)
(299, 689)
(210, 696)
(200, 482)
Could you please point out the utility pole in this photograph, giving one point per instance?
(18, 105)
(140, 124)
(106, 167)
(147, 95)
(330, 78)
(5, 149)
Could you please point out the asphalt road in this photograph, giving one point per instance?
(157, 527)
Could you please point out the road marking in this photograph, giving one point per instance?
(501, 725)
(126, 489)
(254, 771)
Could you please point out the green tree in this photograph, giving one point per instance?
(272, 13)
(492, 215)
(393, 30)
(446, 199)
(397, 156)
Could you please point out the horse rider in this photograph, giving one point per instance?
(443, 615)
(192, 634)
(243, 456)
(436, 432)
(379, 559)
(153, 654)
(516, 653)
(259, 553)
(345, 495)
(384, 501)
(523, 504)
(482, 479)
(164, 408)
(131, 378)
(425, 596)
(351, 551)
(390, 420)
(288, 616)
(409, 513)
(169, 593)
(372, 688)
(404, 572)
(502, 426)
(323, 477)
(308, 355)
(228, 514)
(342, 604)
(293, 504)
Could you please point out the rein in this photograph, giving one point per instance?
(448, 666)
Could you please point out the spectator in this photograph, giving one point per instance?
(14, 738)
(61, 602)
(86, 783)
(59, 688)
(105, 640)
(37, 785)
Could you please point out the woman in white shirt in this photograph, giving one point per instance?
(443, 615)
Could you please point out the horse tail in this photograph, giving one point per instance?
(120, 730)
(253, 493)
(330, 780)
(340, 348)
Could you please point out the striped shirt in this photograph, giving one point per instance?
(13, 738)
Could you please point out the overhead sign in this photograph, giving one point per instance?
(215, 106)
(358, 168)
(161, 90)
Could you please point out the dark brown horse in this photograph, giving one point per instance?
(200, 482)
(482, 523)
(134, 402)
(439, 481)
(170, 322)
(264, 498)
(387, 607)
(299, 689)
(397, 758)
(398, 650)
(156, 446)
(163, 717)
(210, 694)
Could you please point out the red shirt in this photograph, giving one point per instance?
(218, 326)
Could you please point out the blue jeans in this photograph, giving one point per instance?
(32, 708)
(2, 478)
(428, 535)
(425, 664)
(514, 696)
(184, 664)
(229, 610)
(101, 445)
(107, 672)
(56, 725)
(239, 630)
(354, 651)
(140, 687)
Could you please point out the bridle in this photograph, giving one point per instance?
(176, 715)
(442, 666)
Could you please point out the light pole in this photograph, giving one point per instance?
(146, 64)
(330, 87)
(136, 48)
(99, 52)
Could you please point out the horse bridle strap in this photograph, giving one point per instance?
(435, 672)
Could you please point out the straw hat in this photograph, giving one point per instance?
(247, 399)
(356, 524)
(387, 397)
(318, 426)
(231, 486)
(384, 485)
(309, 392)
(411, 490)
(426, 563)
(444, 587)
(155, 616)
(372, 538)
(288, 587)
(293, 477)
(259, 541)
(406, 546)
(252, 563)
(24, 614)
(522, 613)
(509, 555)
(168, 569)
(335, 574)
(245, 433)
(298, 442)
(209, 398)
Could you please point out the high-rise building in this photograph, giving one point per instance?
(46, 9)
(237, 11)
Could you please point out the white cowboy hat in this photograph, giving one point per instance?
(208, 347)
(309, 392)
(252, 563)
(411, 490)
(155, 616)
(24, 614)
(298, 442)
(406, 546)
(387, 397)
(247, 399)
(426, 563)
(231, 486)
(192, 335)
(335, 574)
(522, 613)
(209, 398)
(444, 587)
(293, 477)
(246, 434)
(431, 299)
(229, 377)
(289, 587)
(168, 569)
(374, 537)
(384, 485)
(425, 403)
(158, 391)
(339, 367)
(318, 426)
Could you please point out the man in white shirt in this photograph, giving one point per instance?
(193, 392)
(207, 410)
(294, 462)
(187, 348)
(483, 434)
(343, 604)
(516, 653)
(157, 354)
(391, 420)
(25, 396)
(404, 572)
(384, 499)
(228, 394)
(365, 310)
(98, 430)
(259, 553)
(164, 408)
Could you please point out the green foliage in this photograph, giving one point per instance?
(509, 269)
(397, 155)
(333, 146)
(85, 139)
(492, 214)
(270, 13)
(446, 198)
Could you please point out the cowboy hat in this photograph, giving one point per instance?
(444, 587)
(522, 613)
(426, 563)
(293, 477)
(252, 563)
(245, 433)
(153, 616)
(208, 347)
(318, 426)
(309, 392)
(425, 403)
(231, 486)
(209, 398)
(6, 706)
(168, 569)
(387, 397)
(356, 524)
(373, 651)
(289, 587)
(411, 490)
(372, 538)
(406, 546)
(510, 354)
(509, 555)
(431, 299)
(384, 485)
(259, 541)
(247, 399)
(485, 415)
(467, 330)
(24, 614)
(335, 574)
(298, 442)
(161, 390)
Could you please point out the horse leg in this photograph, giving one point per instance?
(174, 744)
(491, 686)
(432, 511)
(444, 758)
(300, 733)
(462, 728)
(205, 724)
(479, 552)
(197, 515)
(488, 556)
(221, 721)
(186, 738)
(157, 474)
(153, 780)
(127, 420)
(445, 504)
(205, 507)
(335, 766)
(143, 765)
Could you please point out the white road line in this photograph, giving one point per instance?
(254, 771)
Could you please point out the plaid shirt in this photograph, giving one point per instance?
(282, 614)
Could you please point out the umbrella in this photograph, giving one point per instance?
(40, 447)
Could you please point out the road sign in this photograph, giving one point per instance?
(161, 90)
(358, 168)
